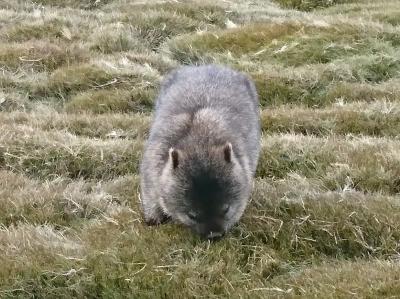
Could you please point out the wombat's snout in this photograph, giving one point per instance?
(214, 236)
(209, 234)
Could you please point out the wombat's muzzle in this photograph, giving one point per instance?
(214, 236)
(209, 231)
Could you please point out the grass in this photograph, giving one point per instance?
(374, 119)
(39, 56)
(104, 101)
(307, 5)
(287, 43)
(52, 154)
(52, 30)
(78, 81)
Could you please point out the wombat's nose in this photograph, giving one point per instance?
(215, 235)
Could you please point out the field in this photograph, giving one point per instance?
(77, 85)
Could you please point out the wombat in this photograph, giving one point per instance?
(203, 147)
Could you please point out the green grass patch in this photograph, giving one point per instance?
(76, 78)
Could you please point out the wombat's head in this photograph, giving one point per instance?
(205, 189)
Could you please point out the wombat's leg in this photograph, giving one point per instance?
(156, 218)
(153, 214)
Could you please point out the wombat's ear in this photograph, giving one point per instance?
(228, 152)
(174, 156)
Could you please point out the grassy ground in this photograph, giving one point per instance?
(77, 84)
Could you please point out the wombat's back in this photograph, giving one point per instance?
(191, 88)
(224, 94)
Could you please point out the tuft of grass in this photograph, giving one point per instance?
(105, 101)
(280, 90)
(76, 78)
(163, 64)
(117, 38)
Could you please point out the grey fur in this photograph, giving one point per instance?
(203, 148)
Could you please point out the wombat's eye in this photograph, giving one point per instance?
(192, 216)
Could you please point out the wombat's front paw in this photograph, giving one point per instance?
(159, 219)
